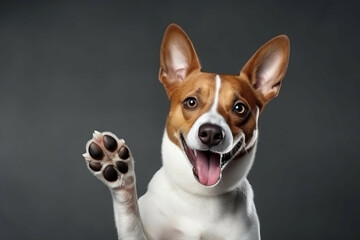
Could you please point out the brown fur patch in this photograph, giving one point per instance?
(202, 87)
(234, 89)
(198, 85)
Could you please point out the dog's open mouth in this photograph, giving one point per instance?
(208, 165)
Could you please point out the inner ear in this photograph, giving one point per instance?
(267, 79)
(267, 67)
(177, 57)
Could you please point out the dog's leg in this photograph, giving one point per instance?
(110, 160)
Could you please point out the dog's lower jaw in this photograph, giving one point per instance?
(179, 170)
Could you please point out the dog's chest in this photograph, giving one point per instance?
(192, 227)
(166, 224)
(166, 215)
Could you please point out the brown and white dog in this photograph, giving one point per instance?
(209, 144)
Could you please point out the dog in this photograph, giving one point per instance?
(208, 147)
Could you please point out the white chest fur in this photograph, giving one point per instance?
(180, 208)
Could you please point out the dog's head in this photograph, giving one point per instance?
(211, 129)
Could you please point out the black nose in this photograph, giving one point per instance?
(210, 134)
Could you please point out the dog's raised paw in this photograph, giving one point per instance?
(110, 160)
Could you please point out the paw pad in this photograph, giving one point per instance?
(110, 143)
(110, 173)
(124, 153)
(122, 167)
(95, 166)
(95, 151)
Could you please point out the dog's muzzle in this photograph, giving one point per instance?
(207, 164)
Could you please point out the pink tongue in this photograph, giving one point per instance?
(208, 167)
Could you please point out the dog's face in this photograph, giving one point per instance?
(213, 118)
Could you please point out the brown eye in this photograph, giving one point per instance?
(241, 109)
(190, 103)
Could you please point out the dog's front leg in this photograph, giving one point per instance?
(110, 160)
(127, 219)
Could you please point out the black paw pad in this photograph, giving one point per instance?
(110, 143)
(122, 167)
(95, 151)
(110, 173)
(95, 166)
(124, 153)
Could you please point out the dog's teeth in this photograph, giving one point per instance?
(195, 153)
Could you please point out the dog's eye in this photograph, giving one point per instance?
(190, 103)
(241, 109)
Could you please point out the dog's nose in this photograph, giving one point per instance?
(210, 134)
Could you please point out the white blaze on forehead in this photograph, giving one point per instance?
(217, 90)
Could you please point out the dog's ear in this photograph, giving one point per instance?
(267, 67)
(177, 57)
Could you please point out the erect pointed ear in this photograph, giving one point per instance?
(177, 57)
(267, 67)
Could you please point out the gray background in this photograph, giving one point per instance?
(69, 67)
